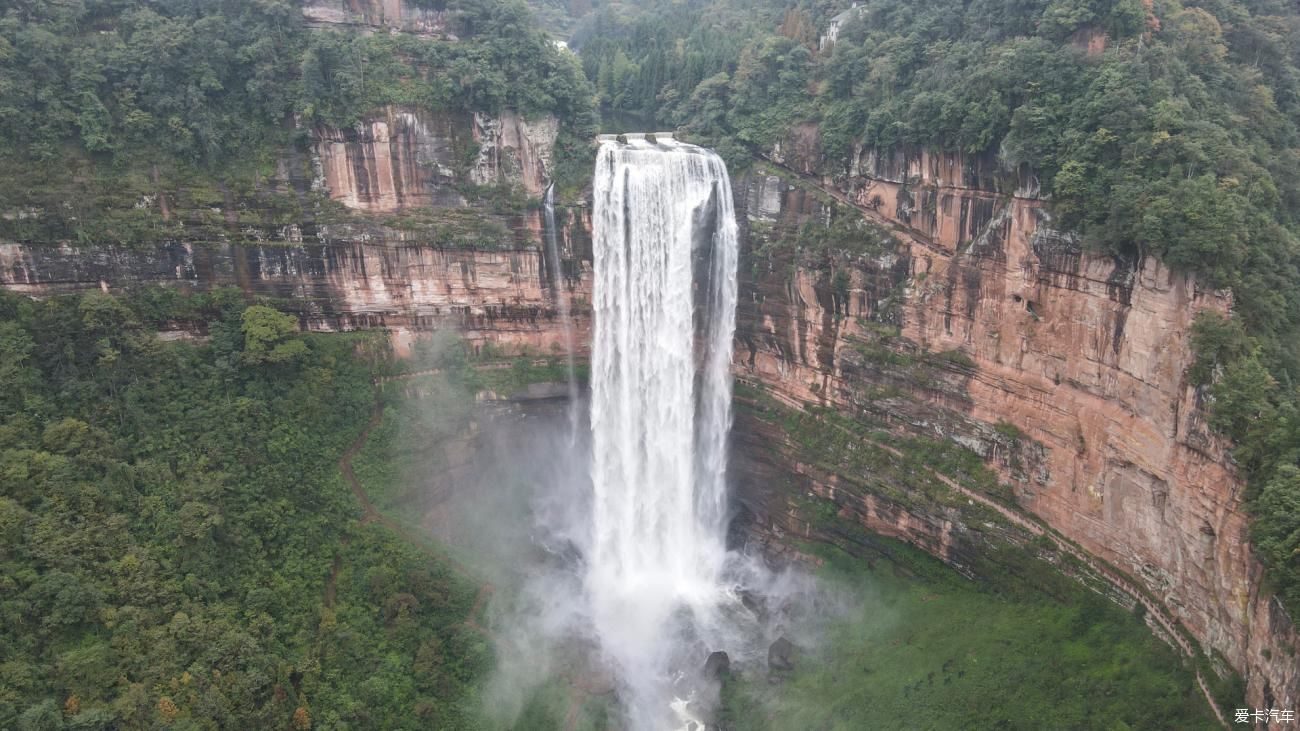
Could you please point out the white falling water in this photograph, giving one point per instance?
(561, 301)
(665, 297)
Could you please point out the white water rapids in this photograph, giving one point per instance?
(665, 299)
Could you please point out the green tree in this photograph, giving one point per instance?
(1276, 533)
(270, 336)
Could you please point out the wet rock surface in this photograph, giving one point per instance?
(781, 656)
(717, 666)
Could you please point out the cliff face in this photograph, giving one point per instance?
(505, 297)
(982, 327)
(514, 149)
(401, 158)
(395, 159)
(1081, 357)
(377, 16)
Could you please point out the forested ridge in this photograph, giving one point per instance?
(1156, 128)
(114, 101)
(177, 545)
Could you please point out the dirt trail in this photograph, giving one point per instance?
(371, 515)
(480, 600)
(332, 584)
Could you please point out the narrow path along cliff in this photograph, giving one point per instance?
(371, 515)
(812, 181)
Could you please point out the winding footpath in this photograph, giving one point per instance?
(371, 515)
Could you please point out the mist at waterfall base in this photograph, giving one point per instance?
(660, 416)
(606, 537)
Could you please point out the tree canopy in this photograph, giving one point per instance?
(1162, 128)
(176, 543)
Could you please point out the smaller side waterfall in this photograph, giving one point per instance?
(558, 287)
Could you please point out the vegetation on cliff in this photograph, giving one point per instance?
(1178, 139)
(1257, 404)
(1156, 127)
(1061, 658)
(177, 545)
(117, 102)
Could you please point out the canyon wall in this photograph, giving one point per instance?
(372, 16)
(504, 297)
(397, 227)
(401, 158)
(1064, 371)
(976, 325)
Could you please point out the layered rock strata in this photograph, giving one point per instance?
(1080, 357)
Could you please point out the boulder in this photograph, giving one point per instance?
(756, 604)
(780, 656)
(718, 666)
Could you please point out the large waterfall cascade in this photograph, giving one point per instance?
(665, 299)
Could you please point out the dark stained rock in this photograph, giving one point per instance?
(718, 666)
(756, 604)
(780, 656)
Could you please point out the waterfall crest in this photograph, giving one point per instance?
(665, 299)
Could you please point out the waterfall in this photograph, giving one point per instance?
(561, 301)
(665, 298)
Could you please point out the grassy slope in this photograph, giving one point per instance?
(927, 649)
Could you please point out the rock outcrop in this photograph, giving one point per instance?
(504, 297)
(514, 149)
(398, 158)
(402, 158)
(369, 16)
(1081, 357)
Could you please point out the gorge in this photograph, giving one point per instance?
(876, 341)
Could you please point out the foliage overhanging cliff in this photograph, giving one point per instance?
(1155, 128)
(114, 100)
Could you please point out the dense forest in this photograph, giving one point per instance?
(1157, 128)
(177, 545)
(114, 101)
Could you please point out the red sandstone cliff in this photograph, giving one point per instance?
(402, 158)
(1084, 355)
(372, 16)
